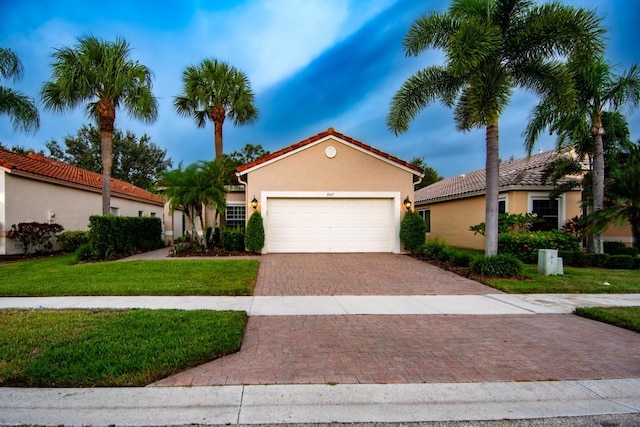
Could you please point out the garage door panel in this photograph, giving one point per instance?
(330, 225)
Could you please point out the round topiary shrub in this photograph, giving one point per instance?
(412, 231)
(254, 236)
(503, 265)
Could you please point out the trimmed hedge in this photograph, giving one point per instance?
(73, 239)
(619, 248)
(525, 245)
(111, 236)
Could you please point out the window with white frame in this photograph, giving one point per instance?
(426, 217)
(140, 213)
(235, 216)
(550, 213)
(114, 211)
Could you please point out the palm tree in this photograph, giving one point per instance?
(622, 202)
(491, 47)
(194, 188)
(19, 107)
(216, 90)
(101, 75)
(599, 91)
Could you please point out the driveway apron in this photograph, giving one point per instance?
(370, 349)
(358, 274)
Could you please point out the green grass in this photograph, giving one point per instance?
(574, 281)
(58, 276)
(625, 317)
(71, 348)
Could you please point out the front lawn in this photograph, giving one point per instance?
(87, 348)
(574, 281)
(58, 276)
(625, 317)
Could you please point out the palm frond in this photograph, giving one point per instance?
(20, 108)
(10, 64)
(420, 90)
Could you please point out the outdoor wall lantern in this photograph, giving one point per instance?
(407, 203)
(254, 203)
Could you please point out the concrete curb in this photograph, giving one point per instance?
(275, 404)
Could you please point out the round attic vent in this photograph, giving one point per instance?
(330, 151)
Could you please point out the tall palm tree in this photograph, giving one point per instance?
(622, 201)
(599, 90)
(101, 75)
(19, 107)
(215, 90)
(194, 188)
(491, 47)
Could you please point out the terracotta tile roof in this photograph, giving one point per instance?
(523, 172)
(321, 135)
(40, 166)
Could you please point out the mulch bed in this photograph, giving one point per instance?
(211, 252)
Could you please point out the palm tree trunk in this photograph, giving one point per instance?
(217, 116)
(107, 164)
(598, 180)
(491, 204)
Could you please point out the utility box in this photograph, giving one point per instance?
(549, 263)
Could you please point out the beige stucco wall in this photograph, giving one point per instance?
(27, 200)
(351, 170)
(450, 220)
(619, 234)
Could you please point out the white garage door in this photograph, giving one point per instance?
(330, 225)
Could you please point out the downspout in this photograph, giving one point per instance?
(246, 202)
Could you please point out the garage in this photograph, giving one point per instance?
(329, 193)
(330, 225)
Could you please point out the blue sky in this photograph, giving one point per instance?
(312, 64)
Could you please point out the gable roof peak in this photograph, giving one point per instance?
(318, 137)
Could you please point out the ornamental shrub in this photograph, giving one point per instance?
(596, 260)
(36, 237)
(525, 245)
(254, 236)
(501, 265)
(233, 239)
(622, 262)
(572, 258)
(72, 240)
(619, 248)
(433, 248)
(412, 231)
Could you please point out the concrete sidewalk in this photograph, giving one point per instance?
(489, 304)
(379, 403)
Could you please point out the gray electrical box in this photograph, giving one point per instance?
(549, 263)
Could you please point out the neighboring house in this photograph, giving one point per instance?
(452, 205)
(327, 193)
(40, 189)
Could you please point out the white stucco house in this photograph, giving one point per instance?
(40, 189)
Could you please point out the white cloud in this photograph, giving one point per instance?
(271, 39)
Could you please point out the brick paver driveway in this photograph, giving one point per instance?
(358, 274)
(407, 349)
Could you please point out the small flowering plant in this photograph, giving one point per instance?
(525, 245)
